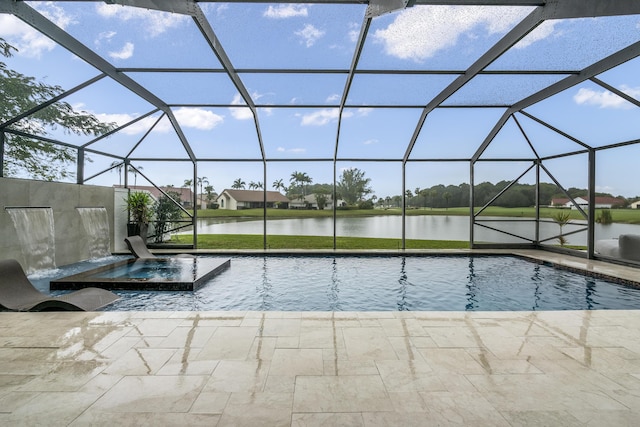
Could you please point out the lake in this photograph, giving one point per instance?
(427, 227)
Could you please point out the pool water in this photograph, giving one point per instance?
(388, 283)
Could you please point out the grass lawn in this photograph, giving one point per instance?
(255, 241)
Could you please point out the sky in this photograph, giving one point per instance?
(286, 36)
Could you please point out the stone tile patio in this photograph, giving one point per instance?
(320, 368)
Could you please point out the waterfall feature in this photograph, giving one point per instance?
(96, 225)
(34, 227)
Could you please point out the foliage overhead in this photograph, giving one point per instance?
(25, 156)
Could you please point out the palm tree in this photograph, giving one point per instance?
(135, 170)
(295, 178)
(253, 185)
(118, 166)
(238, 184)
(187, 183)
(562, 218)
(278, 185)
(202, 180)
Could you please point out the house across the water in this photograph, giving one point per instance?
(602, 202)
(251, 199)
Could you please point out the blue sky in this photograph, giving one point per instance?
(324, 37)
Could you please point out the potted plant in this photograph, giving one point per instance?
(139, 205)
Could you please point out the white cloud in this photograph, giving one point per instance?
(291, 150)
(197, 118)
(310, 35)
(370, 141)
(354, 32)
(154, 22)
(244, 113)
(605, 99)
(364, 111)
(105, 35)
(420, 32)
(284, 11)
(333, 98)
(323, 117)
(125, 53)
(543, 31)
(139, 127)
(27, 40)
(240, 113)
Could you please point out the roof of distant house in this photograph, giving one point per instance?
(255, 195)
(185, 193)
(600, 200)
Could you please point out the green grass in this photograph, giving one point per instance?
(255, 241)
(624, 216)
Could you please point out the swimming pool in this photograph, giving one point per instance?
(388, 283)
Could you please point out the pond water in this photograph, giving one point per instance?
(429, 227)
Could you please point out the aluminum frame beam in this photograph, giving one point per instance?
(587, 73)
(31, 17)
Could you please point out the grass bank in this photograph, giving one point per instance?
(255, 241)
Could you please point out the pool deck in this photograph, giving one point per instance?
(325, 368)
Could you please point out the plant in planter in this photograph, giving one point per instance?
(139, 205)
(167, 211)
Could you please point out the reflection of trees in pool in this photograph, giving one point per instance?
(472, 287)
(333, 293)
(264, 290)
(590, 290)
(402, 303)
(537, 280)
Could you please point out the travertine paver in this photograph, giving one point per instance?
(361, 369)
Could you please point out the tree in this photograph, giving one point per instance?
(167, 211)
(353, 185)
(202, 180)
(209, 190)
(300, 180)
(118, 166)
(255, 185)
(29, 156)
(278, 185)
(446, 196)
(134, 171)
(562, 218)
(321, 200)
(238, 184)
(187, 183)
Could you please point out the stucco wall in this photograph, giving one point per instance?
(70, 237)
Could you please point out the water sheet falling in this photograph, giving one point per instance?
(96, 224)
(36, 235)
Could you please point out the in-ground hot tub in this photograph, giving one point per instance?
(159, 274)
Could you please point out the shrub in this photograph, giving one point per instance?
(604, 217)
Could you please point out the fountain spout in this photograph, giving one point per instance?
(36, 234)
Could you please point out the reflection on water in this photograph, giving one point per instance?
(428, 227)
